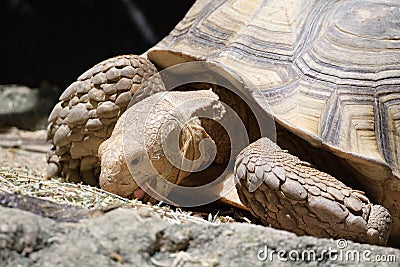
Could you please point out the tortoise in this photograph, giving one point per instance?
(329, 71)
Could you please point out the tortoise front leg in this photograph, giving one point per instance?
(88, 110)
(290, 194)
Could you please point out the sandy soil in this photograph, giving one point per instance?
(23, 149)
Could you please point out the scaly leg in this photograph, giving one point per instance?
(287, 193)
(88, 110)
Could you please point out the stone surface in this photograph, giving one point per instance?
(125, 237)
(24, 107)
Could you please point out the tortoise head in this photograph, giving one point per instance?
(154, 142)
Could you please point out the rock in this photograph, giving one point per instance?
(123, 237)
(26, 108)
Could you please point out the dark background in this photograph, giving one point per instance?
(53, 41)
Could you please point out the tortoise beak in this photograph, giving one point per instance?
(157, 188)
(115, 178)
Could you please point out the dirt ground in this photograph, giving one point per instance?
(23, 149)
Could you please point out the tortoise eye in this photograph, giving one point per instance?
(135, 161)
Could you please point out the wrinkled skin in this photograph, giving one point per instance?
(135, 154)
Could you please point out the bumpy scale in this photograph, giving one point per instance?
(88, 110)
(290, 194)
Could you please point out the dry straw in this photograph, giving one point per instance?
(27, 182)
